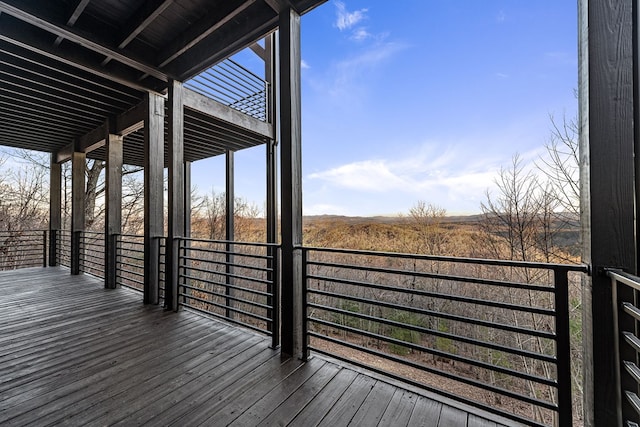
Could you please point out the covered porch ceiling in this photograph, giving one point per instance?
(68, 66)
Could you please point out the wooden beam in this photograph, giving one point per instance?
(259, 50)
(608, 193)
(73, 57)
(93, 139)
(153, 195)
(291, 185)
(197, 102)
(198, 31)
(78, 166)
(113, 212)
(141, 19)
(64, 154)
(176, 219)
(36, 16)
(55, 208)
(131, 120)
(77, 11)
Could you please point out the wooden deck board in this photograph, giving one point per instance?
(73, 353)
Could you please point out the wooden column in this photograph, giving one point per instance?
(55, 208)
(608, 193)
(113, 200)
(78, 166)
(153, 194)
(176, 220)
(270, 60)
(229, 227)
(291, 183)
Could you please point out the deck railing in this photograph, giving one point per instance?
(235, 281)
(63, 247)
(233, 85)
(494, 334)
(92, 253)
(626, 322)
(130, 261)
(23, 248)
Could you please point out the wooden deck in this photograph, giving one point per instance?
(73, 353)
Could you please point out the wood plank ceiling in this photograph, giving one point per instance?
(68, 65)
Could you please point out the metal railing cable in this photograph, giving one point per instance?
(22, 249)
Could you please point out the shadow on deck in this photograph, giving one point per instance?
(74, 353)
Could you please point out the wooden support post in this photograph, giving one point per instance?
(113, 199)
(153, 194)
(78, 166)
(176, 221)
(229, 229)
(608, 193)
(55, 209)
(273, 288)
(291, 183)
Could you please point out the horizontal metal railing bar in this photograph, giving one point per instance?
(130, 279)
(230, 264)
(137, 251)
(225, 307)
(226, 319)
(631, 310)
(225, 285)
(427, 312)
(632, 340)
(634, 400)
(449, 297)
(438, 353)
(235, 276)
(468, 381)
(626, 278)
(462, 260)
(231, 242)
(230, 297)
(439, 276)
(135, 273)
(633, 370)
(429, 331)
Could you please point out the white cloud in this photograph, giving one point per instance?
(345, 19)
(502, 75)
(304, 65)
(361, 34)
(501, 17)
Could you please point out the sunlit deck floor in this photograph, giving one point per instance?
(73, 353)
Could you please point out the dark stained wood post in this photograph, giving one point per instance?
(78, 166)
(291, 183)
(608, 193)
(272, 190)
(187, 222)
(229, 228)
(55, 208)
(113, 199)
(153, 194)
(176, 199)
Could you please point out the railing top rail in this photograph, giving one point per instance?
(230, 242)
(583, 268)
(624, 277)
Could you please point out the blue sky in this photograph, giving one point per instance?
(420, 100)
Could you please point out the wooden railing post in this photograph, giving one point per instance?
(44, 248)
(53, 247)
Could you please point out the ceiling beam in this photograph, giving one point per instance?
(77, 11)
(73, 57)
(141, 19)
(38, 18)
(212, 108)
(199, 31)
